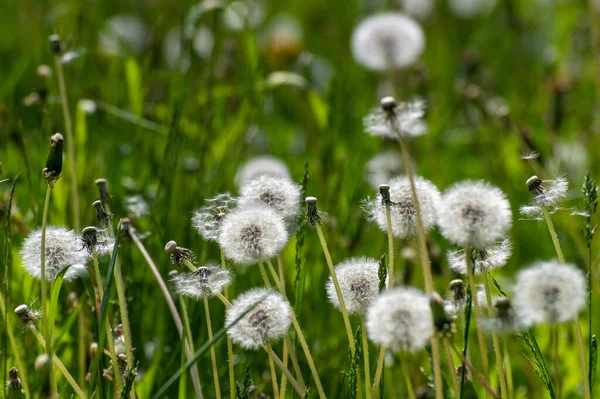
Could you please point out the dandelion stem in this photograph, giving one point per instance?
(556, 358)
(476, 373)
(508, 367)
(298, 387)
(553, 235)
(223, 299)
(275, 277)
(451, 368)
(584, 371)
(122, 299)
(477, 311)
(337, 288)
(378, 372)
(309, 359)
(273, 373)
(294, 358)
(365, 345)
(390, 246)
(406, 374)
(81, 347)
(213, 356)
(264, 275)
(45, 316)
(283, 376)
(229, 342)
(281, 273)
(495, 340)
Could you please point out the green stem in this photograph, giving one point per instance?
(495, 340)
(299, 388)
(273, 373)
(229, 342)
(556, 358)
(451, 368)
(476, 373)
(213, 356)
(468, 310)
(390, 236)
(559, 252)
(122, 298)
(264, 275)
(584, 371)
(295, 363)
(365, 346)
(508, 367)
(406, 374)
(378, 372)
(15, 349)
(309, 358)
(280, 285)
(81, 347)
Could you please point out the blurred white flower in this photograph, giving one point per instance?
(123, 33)
(486, 259)
(265, 165)
(390, 116)
(240, 15)
(420, 9)
(471, 8)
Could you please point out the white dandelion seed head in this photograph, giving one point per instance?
(278, 193)
(261, 166)
(486, 259)
(63, 249)
(400, 319)
(359, 284)
(207, 280)
(420, 9)
(471, 8)
(402, 211)
(268, 321)
(549, 292)
(252, 234)
(406, 116)
(207, 220)
(383, 167)
(387, 40)
(547, 193)
(474, 214)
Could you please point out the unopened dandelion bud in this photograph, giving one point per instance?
(15, 389)
(102, 189)
(384, 191)
(312, 213)
(55, 45)
(53, 167)
(126, 224)
(178, 255)
(93, 349)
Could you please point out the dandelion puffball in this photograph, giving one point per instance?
(402, 210)
(205, 281)
(486, 259)
(252, 234)
(400, 319)
(474, 214)
(546, 194)
(268, 321)
(207, 220)
(261, 166)
(391, 118)
(280, 194)
(549, 292)
(63, 248)
(387, 40)
(358, 279)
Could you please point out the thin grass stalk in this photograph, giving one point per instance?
(229, 342)
(309, 358)
(508, 369)
(556, 360)
(451, 368)
(187, 327)
(294, 359)
(584, 371)
(171, 305)
(81, 347)
(553, 235)
(390, 246)
(275, 277)
(264, 275)
(286, 347)
(15, 349)
(273, 373)
(476, 373)
(336, 285)
(406, 374)
(365, 346)
(378, 372)
(62, 87)
(298, 387)
(281, 273)
(213, 356)
(495, 340)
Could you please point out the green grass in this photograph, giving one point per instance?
(227, 109)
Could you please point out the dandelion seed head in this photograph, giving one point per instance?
(207, 281)
(402, 211)
(207, 220)
(387, 40)
(359, 284)
(547, 193)
(280, 194)
(400, 319)
(407, 117)
(252, 234)
(474, 214)
(486, 259)
(261, 166)
(549, 292)
(268, 321)
(62, 249)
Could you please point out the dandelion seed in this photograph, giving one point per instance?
(268, 321)
(400, 319)
(252, 234)
(549, 292)
(359, 284)
(62, 250)
(208, 280)
(280, 194)
(387, 40)
(261, 166)
(402, 211)
(208, 219)
(530, 155)
(471, 8)
(486, 259)
(474, 214)
(389, 116)
(505, 319)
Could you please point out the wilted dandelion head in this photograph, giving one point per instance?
(62, 249)
(549, 292)
(505, 319)
(207, 220)
(359, 284)
(456, 298)
(391, 116)
(261, 166)
(486, 259)
(94, 240)
(546, 194)
(252, 234)
(474, 214)
(387, 40)
(208, 280)
(402, 210)
(268, 321)
(400, 319)
(278, 193)
(383, 167)
(471, 8)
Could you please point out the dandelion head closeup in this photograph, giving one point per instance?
(387, 40)
(547, 193)
(400, 319)
(252, 234)
(402, 210)
(207, 220)
(63, 248)
(485, 259)
(549, 292)
(474, 214)
(261, 166)
(280, 194)
(390, 118)
(268, 320)
(207, 281)
(358, 279)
